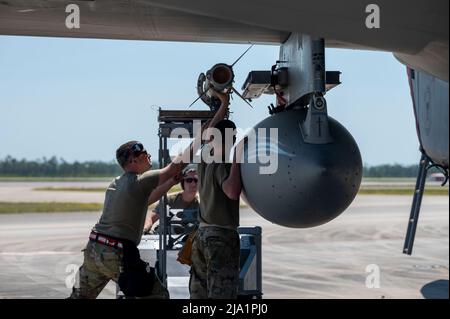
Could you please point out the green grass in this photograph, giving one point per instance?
(389, 179)
(402, 191)
(363, 191)
(52, 207)
(107, 179)
(174, 189)
(72, 189)
(55, 179)
(48, 207)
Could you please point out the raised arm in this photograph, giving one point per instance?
(159, 191)
(170, 171)
(218, 116)
(232, 186)
(223, 109)
(150, 220)
(182, 160)
(155, 195)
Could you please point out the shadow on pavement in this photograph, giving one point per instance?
(437, 289)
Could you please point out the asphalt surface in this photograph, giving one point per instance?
(39, 253)
(26, 192)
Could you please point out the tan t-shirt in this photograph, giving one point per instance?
(175, 201)
(126, 203)
(215, 206)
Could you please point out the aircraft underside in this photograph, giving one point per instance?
(415, 31)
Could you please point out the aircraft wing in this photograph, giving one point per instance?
(416, 30)
(129, 20)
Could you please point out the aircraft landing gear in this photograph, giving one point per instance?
(424, 166)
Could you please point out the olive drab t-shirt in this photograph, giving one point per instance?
(126, 203)
(216, 208)
(175, 201)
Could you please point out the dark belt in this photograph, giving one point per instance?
(106, 240)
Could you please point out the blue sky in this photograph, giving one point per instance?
(78, 99)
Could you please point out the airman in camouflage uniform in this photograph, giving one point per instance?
(215, 250)
(119, 230)
(215, 269)
(187, 199)
(101, 264)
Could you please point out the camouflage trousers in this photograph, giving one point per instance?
(215, 268)
(101, 264)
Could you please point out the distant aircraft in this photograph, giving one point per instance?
(327, 162)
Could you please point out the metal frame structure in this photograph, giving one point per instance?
(250, 277)
(251, 267)
(170, 120)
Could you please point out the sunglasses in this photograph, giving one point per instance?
(190, 180)
(137, 148)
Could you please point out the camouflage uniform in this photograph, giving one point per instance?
(101, 264)
(215, 269)
(124, 211)
(215, 250)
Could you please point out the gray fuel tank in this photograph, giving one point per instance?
(313, 184)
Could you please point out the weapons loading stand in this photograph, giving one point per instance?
(250, 276)
(169, 120)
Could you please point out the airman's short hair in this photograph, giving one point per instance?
(125, 150)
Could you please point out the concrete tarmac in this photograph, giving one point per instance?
(39, 253)
(26, 192)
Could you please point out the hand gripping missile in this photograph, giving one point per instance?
(219, 78)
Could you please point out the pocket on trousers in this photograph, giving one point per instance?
(110, 263)
(217, 251)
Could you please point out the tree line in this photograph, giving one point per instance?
(54, 167)
(387, 170)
